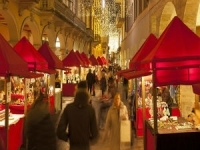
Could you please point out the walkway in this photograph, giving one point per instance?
(137, 143)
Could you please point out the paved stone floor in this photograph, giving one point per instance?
(137, 143)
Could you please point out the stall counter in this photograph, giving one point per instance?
(68, 89)
(172, 138)
(15, 132)
(139, 119)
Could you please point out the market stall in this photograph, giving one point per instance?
(36, 63)
(175, 61)
(11, 125)
(100, 62)
(143, 85)
(95, 65)
(139, 106)
(93, 60)
(86, 59)
(84, 69)
(71, 79)
(54, 63)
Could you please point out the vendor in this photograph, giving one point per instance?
(166, 97)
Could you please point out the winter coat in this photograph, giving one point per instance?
(103, 84)
(79, 119)
(112, 128)
(39, 128)
(90, 78)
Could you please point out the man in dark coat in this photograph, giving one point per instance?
(90, 80)
(79, 119)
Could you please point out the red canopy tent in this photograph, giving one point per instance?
(82, 59)
(11, 63)
(104, 60)
(136, 74)
(143, 51)
(53, 61)
(176, 57)
(72, 60)
(120, 72)
(93, 60)
(100, 61)
(34, 59)
(86, 58)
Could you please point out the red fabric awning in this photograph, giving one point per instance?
(26, 74)
(143, 51)
(82, 59)
(184, 76)
(86, 58)
(93, 60)
(104, 60)
(176, 54)
(53, 61)
(10, 62)
(178, 46)
(136, 74)
(34, 59)
(100, 62)
(72, 60)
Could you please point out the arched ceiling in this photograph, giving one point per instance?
(167, 15)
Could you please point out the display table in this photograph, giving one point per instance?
(17, 96)
(15, 109)
(171, 139)
(15, 132)
(68, 89)
(139, 119)
(18, 109)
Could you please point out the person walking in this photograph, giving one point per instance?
(78, 123)
(103, 83)
(39, 128)
(105, 105)
(116, 113)
(94, 82)
(90, 80)
(125, 86)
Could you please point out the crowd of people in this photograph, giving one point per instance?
(80, 123)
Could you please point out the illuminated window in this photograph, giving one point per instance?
(57, 42)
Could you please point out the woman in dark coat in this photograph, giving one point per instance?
(39, 128)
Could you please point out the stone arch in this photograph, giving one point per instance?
(33, 27)
(191, 14)
(76, 44)
(12, 26)
(167, 15)
(50, 34)
(198, 21)
(70, 43)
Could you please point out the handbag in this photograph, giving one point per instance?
(125, 131)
